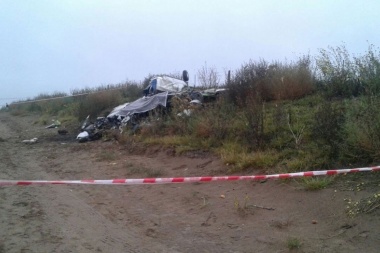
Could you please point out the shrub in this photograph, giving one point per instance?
(327, 127)
(292, 80)
(275, 81)
(249, 79)
(208, 77)
(94, 104)
(337, 73)
(368, 71)
(253, 112)
(362, 131)
(220, 117)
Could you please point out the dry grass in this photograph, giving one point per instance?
(239, 159)
(106, 156)
(293, 243)
(316, 183)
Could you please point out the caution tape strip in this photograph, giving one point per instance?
(171, 180)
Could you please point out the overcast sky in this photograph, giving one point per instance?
(61, 45)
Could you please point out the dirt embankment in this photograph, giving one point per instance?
(271, 216)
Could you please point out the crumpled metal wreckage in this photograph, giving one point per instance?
(157, 94)
(93, 131)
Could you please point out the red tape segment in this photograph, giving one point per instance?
(171, 180)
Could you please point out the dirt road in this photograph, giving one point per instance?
(205, 217)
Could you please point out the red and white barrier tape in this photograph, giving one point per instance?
(189, 179)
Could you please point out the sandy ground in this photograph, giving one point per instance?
(162, 218)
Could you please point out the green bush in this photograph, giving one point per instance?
(368, 71)
(362, 131)
(327, 128)
(344, 76)
(275, 81)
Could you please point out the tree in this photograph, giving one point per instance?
(208, 77)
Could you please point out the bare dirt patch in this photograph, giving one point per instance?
(244, 216)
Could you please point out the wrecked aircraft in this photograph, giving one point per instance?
(158, 93)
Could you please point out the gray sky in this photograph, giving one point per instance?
(61, 45)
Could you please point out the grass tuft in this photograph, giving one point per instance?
(239, 159)
(316, 183)
(293, 243)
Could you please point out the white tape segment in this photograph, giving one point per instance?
(171, 180)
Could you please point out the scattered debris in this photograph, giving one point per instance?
(31, 141)
(93, 131)
(83, 136)
(56, 123)
(193, 105)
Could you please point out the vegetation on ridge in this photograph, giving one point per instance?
(314, 113)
